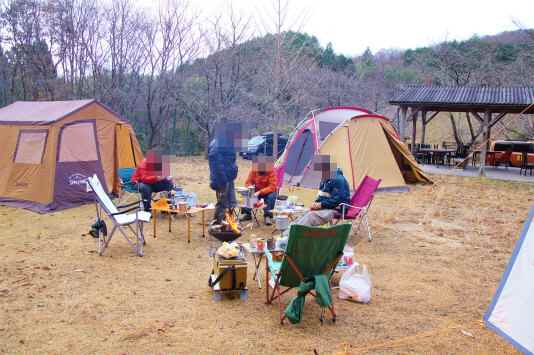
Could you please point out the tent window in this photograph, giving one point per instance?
(78, 143)
(31, 146)
(326, 127)
(300, 153)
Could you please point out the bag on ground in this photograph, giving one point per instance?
(355, 284)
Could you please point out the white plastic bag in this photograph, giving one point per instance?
(355, 284)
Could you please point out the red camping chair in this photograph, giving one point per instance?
(360, 202)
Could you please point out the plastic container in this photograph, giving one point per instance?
(260, 244)
(281, 223)
(280, 203)
(348, 255)
(292, 201)
(248, 199)
(188, 197)
(281, 244)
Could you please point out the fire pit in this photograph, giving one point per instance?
(229, 231)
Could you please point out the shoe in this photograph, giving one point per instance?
(268, 221)
(245, 217)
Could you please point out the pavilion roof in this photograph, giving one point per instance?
(466, 98)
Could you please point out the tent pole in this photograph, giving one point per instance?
(350, 158)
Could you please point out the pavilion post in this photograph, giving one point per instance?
(488, 138)
(414, 130)
(402, 123)
(485, 139)
(423, 122)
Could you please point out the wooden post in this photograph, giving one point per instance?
(470, 124)
(188, 217)
(485, 138)
(489, 135)
(414, 130)
(402, 123)
(457, 138)
(423, 121)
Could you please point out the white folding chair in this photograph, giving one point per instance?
(119, 218)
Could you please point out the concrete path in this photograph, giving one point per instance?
(497, 173)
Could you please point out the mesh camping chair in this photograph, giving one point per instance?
(127, 184)
(308, 263)
(360, 202)
(119, 218)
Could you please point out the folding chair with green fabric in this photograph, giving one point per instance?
(308, 263)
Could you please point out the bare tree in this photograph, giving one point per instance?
(217, 90)
(168, 43)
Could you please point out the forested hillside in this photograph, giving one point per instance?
(175, 75)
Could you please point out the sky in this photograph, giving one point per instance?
(353, 25)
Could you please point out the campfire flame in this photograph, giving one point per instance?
(232, 222)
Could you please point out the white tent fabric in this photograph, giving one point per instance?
(511, 313)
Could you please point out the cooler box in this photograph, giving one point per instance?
(235, 273)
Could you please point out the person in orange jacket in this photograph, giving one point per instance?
(263, 178)
(148, 178)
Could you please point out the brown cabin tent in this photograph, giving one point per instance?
(359, 141)
(51, 147)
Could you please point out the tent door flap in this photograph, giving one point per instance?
(78, 157)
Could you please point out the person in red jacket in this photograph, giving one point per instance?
(263, 178)
(149, 180)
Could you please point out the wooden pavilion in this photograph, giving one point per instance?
(487, 105)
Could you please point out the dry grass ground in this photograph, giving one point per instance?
(438, 254)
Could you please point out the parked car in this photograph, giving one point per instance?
(516, 149)
(263, 144)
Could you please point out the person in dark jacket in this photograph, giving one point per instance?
(223, 168)
(333, 191)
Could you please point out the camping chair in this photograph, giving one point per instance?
(360, 202)
(126, 183)
(120, 219)
(310, 252)
(125, 175)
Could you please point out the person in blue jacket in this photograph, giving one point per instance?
(223, 168)
(333, 191)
